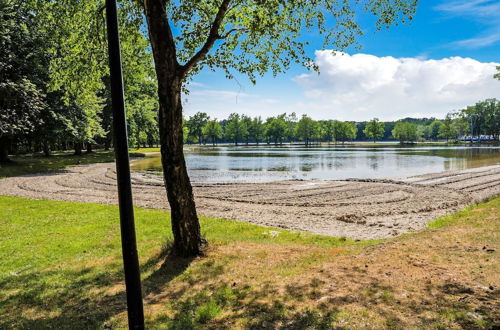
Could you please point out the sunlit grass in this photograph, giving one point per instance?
(61, 268)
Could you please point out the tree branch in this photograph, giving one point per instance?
(212, 37)
(225, 35)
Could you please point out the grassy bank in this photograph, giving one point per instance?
(61, 268)
(37, 163)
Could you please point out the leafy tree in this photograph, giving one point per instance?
(249, 37)
(196, 123)
(23, 74)
(446, 129)
(460, 125)
(344, 131)
(213, 130)
(276, 129)
(256, 130)
(291, 123)
(434, 129)
(374, 129)
(246, 124)
(235, 128)
(405, 131)
(489, 111)
(246, 36)
(327, 130)
(80, 69)
(306, 129)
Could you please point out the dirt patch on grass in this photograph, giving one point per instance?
(355, 208)
(444, 279)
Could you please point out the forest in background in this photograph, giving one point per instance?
(481, 121)
(52, 99)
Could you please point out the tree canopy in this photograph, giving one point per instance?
(374, 129)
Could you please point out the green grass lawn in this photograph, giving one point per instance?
(61, 268)
(55, 254)
(37, 163)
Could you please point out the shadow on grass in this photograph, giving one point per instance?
(76, 299)
(85, 298)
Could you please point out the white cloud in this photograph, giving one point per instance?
(361, 86)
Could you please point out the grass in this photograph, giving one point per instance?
(61, 268)
(29, 164)
(141, 150)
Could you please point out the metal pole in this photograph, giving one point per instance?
(129, 247)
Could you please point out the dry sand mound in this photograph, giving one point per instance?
(355, 208)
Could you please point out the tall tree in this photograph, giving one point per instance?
(306, 129)
(196, 123)
(23, 73)
(344, 130)
(256, 129)
(328, 130)
(374, 129)
(246, 126)
(434, 129)
(276, 129)
(235, 128)
(405, 131)
(213, 131)
(248, 36)
(446, 130)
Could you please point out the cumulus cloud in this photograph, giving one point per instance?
(361, 86)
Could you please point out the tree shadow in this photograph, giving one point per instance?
(77, 299)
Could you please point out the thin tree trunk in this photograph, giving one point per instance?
(185, 224)
(89, 148)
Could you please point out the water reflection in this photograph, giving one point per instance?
(328, 162)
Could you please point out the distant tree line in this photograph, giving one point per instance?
(473, 122)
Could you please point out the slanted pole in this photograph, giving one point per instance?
(129, 246)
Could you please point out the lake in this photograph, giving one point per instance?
(269, 163)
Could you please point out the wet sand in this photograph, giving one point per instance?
(355, 208)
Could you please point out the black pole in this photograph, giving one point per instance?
(129, 247)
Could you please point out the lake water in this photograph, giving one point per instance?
(264, 163)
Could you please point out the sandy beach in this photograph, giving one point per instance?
(355, 208)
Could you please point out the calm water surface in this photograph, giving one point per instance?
(229, 164)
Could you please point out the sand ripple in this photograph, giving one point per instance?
(357, 208)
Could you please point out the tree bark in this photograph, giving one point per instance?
(185, 224)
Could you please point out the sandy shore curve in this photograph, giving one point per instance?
(355, 208)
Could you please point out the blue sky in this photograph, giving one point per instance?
(442, 61)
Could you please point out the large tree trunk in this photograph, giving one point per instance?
(185, 224)
(4, 150)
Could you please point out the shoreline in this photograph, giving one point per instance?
(353, 208)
